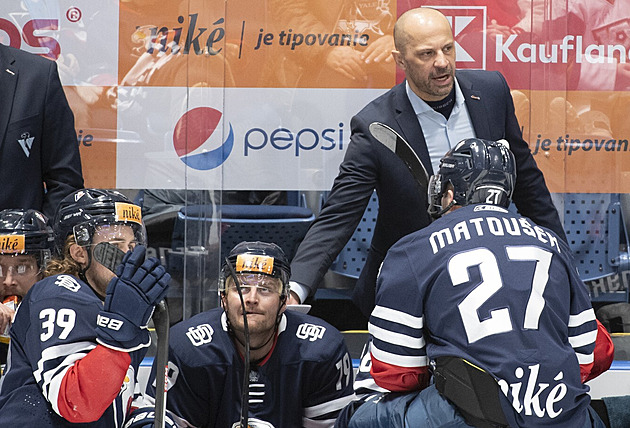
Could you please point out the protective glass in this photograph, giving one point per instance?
(266, 286)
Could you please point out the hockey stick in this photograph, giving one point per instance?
(111, 256)
(161, 323)
(245, 393)
(397, 144)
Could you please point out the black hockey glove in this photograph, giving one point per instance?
(130, 300)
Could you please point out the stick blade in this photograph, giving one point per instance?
(397, 144)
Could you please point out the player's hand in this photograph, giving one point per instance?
(130, 300)
(6, 317)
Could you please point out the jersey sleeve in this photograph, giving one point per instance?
(77, 377)
(590, 340)
(330, 386)
(398, 351)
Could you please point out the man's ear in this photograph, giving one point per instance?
(398, 59)
(79, 254)
(450, 195)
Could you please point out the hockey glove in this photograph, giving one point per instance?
(130, 300)
(144, 417)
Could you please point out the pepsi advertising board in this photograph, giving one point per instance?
(202, 94)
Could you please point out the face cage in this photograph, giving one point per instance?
(84, 232)
(435, 193)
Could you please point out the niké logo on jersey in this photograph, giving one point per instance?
(26, 142)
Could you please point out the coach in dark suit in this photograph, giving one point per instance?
(39, 153)
(469, 103)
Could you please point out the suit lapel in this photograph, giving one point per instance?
(8, 82)
(409, 127)
(476, 107)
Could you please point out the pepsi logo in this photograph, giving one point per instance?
(196, 142)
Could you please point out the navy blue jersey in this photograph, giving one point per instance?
(491, 287)
(306, 380)
(54, 328)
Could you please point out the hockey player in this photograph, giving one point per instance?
(80, 334)
(490, 305)
(300, 369)
(25, 244)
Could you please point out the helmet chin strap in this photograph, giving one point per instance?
(444, 210)
(83, 270)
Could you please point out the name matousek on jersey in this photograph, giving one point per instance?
(479, 226)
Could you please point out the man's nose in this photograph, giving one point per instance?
(9, 278)
(441, 60)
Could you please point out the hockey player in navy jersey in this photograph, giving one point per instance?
(25, 248)
(483, 312)
(80, 333)
(300, 370)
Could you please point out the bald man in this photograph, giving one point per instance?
(433, 109)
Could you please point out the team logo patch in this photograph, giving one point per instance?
(200, 334)
(26, 142)
(66, 281)
(311, 332)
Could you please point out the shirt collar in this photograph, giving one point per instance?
(420, 107)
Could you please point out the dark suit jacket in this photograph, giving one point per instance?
(38, 143)
(402, 208)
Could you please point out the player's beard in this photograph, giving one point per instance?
(260, 326)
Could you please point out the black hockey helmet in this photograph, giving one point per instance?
(81, 212)
(25, 232)
(257, 258)
(481, 172)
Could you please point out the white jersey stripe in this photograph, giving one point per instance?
(396, 338)
(583, 339)
(584, 358)
(325, 423)
(582, 318)
(398, 360)
(328, 406)
(398, 317)
(61, 351)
